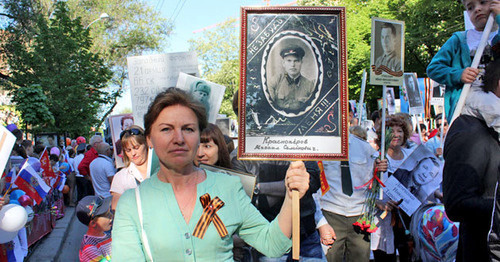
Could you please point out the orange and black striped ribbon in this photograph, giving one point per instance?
(383, 68)
(322, 178)
(210, 207)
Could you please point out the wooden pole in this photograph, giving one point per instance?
(475, 63)
(362, 97)
(384, 106)
(442, 128)
(418, 129)
(295, 225)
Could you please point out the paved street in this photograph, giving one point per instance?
(63, 243)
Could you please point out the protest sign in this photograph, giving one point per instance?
(152, 74)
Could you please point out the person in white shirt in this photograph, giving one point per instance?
(133, 143)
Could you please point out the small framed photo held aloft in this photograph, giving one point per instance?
(387, 52)
(293, 95)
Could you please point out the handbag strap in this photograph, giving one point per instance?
(144, 237)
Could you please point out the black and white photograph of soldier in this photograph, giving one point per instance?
(412, 90)
(201, 92)
(387, 52)
(291, 75)
(389, 39)
(208, 93)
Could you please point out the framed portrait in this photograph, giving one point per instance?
(224, 124)
(437, 93)
(387, 52)
(118, 123)
(412, 91)
(293, 87)
(391, 102)
(49, 140)
(208, 93)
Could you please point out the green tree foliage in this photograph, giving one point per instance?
(218, 51)
(32, 103)
(58, 60)
(132, 29)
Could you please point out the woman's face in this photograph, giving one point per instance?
(175, 136)
(136, 152)
(398, 137)
(208, 153)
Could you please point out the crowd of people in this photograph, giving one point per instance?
(184, 212)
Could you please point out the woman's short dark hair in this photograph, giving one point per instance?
(393, 121)
(130, 139)
(212, 132)
(170, 97)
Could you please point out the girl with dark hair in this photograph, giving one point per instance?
(213, 148)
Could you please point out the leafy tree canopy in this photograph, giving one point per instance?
(218, 50)
(57, 66)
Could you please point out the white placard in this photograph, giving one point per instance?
(152, 74)
(7, 141)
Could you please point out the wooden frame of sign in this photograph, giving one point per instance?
(293, 88)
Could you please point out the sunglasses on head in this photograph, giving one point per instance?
(132, 131)
(94, 206)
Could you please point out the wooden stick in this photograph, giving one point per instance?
(382, 142)
(384, 106)
(6, 192)
(442, 128)
(475, 63)
(295, 225)
(362, 97)
(419, 130)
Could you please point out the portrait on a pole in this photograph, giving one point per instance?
(387, 52)
(416, 105)
(293, 88)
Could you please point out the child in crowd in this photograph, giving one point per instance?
(95, 213)
(451, 65)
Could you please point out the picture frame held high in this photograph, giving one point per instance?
(293, 100)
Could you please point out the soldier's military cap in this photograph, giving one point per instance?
(292, 50)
